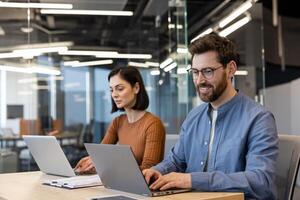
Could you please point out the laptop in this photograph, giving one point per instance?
(118, 169)
(48, 155)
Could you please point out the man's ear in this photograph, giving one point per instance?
(232, 69)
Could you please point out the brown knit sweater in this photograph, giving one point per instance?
(145, 136)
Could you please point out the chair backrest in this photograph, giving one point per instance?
(289, 149)
(171, 140)
(6, 132)
(57, 125)
(28, 126)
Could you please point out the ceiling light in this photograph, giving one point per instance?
(181, 70)
(153, 64)
(40, 50)
(30, 53)
(172, 26)
(35, 5)
(26, 29)
(132, 56)
(36, 45)
(69, 63)
(241, 72)
(36, 79)
(155, 72)
(44, 70)
(170, 67)
(10, 55)
(182, 50)
(45, 45)
(105, 54)
(207, 31)
(25, 55)
(87, 12)
(137, 64)
(14, 69)
(2, 32)
(237, 12)
(166, 62)
(30, 70)
(235, 26)
(88, 53)
(93, 63)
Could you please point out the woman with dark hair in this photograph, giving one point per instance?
(138, 128)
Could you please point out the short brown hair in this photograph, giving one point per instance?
(225, 48)
(132, 76)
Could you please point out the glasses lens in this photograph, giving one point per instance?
(208, 72)
(195, 73)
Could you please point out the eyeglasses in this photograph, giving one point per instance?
(207, 72)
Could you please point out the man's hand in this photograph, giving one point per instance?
(85, 165)
(172, 180)
(151, 174)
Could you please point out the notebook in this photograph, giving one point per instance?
(118, 169)
(75, 182)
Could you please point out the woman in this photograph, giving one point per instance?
(138, 128)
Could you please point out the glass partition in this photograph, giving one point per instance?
(281, 39)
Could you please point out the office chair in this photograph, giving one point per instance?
(289, 149)
(171, 140)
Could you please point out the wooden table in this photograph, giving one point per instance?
(27, 186)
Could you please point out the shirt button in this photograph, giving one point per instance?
(209, 122)
(201, 163)
(205, 143)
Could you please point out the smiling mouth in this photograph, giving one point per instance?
(204, 89)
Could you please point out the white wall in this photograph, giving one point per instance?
(283, 100)
(22, 93)
(295, 107)
(278, 100)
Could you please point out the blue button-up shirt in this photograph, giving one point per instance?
(243, 154)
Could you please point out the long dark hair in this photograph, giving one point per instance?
(132, 76)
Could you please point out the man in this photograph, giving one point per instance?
(229, 143)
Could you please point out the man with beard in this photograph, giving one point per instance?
(229, 143)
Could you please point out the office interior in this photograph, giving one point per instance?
(54, 64)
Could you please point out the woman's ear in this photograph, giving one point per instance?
(136, 88)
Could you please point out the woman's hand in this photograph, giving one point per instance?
(85, 165)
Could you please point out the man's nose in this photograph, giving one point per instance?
(200, 78)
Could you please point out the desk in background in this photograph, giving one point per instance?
(65, 138)
(27, 186)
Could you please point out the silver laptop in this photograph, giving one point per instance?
(48, 155)
(118, 169)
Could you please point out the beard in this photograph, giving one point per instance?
(214, 91)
